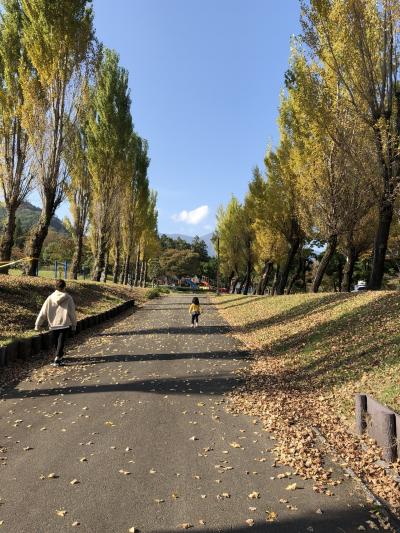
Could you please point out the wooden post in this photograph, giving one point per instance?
(361, 409)
(388, 428)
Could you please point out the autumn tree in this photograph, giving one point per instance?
(78, 189)
(282, 206)
(15, 164)
(229, 231)
(57, 38)
(360, 45)
(109, 152)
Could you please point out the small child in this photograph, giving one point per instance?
(194, 310)
(59, 311)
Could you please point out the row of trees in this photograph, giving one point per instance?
(334, 176)
(66, 131)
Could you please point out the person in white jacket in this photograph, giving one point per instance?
(59, 311)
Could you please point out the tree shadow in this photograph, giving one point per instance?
(175, 330)
(221, 355)
(358, 355)
(341, 520)
(319, 304)
(206, 384)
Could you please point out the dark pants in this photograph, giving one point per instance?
(59, 337)
(195, 318)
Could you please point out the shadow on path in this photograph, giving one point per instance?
(234, 355)
(174, 330)
(206, 384)
(335, 522)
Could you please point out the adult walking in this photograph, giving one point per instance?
(59, 311)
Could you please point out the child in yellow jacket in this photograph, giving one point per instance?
(194, 310)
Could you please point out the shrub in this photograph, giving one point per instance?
(153, 293)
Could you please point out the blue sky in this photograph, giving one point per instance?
(205, 79)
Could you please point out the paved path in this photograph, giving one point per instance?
(138, 419)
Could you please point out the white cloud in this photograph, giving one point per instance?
(192, 217)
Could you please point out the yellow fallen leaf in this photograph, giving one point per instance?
(292, 486)
(52, 476)
(61, 512)
(254, 495)
(74, 482)
(234, 445)
(271, 516)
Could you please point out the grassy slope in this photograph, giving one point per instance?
(313, 352)
(22, 297)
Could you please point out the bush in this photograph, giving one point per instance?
(163, 290)
(153, 293)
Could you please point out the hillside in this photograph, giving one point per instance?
(313, 352)
(28, 214)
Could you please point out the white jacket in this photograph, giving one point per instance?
(59, 310)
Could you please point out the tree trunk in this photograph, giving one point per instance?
(340, 271)
(262, 285)
(142, 282)
(275, 282)
(233, 284)
(283, 278)
(297, 274)
(230, 280)
(146, 266)
(239, 290)
(100, 259)
(7, 240)
(137, 268)
(117, 258)
(77, 258)
(330, 250)
(38, 236)
(248, 277)
(351, 258)
(125, 271)
(380, 244)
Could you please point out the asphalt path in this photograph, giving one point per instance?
(134, 434)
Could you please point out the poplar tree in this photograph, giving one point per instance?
(57, 38)
(109, 139)
(15, 168)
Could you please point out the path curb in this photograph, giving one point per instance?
(30, 346)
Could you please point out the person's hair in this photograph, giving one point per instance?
(60, 284)
(195, 301)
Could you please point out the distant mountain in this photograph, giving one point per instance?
(189, 239)
(28, 215)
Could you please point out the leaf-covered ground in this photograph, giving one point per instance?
(22, 297)
(312, 354)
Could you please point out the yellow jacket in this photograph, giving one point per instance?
(194, 309)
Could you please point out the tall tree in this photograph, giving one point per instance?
(359, 42)
(56, 37)
(15, 171)
(109, 138)
(78, 189)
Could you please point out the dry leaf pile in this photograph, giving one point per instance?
(312, 353)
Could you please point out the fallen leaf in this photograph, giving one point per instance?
(254, 495)
(61, 512)
(250, 522)
(293, 486)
